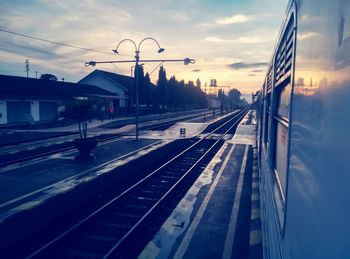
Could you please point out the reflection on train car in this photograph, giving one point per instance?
(304, 125)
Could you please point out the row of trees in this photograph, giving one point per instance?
(173, 94)
(169, 93)
(232, 100)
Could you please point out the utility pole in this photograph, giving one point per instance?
(137, 59)
(27, 66)
(36, 74)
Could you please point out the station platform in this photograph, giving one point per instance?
(27, 185)
(25, 133)
(219, 216)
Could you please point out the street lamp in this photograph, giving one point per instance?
(92, 63)
(137, 59)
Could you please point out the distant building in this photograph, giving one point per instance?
(28, 100)
(119, 85)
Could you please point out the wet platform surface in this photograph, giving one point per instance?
(28, 184)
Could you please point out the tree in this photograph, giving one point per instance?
(198, 83)
(162, 87)
(147, 89)
(82, 110)
(175, 94)
(234, 97)
(141, 83)
(48, 77)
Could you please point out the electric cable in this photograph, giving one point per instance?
(58, 43)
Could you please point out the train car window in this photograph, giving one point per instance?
(283, 108)
(282, 92)
(281, 125)
(268, 90)
(266, 118)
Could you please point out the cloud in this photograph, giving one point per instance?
(257, 70)
(243, 40)
(253, 39)
(219, 38)
(215, 39)
(243, 65)
(223, 21)
(234, 19)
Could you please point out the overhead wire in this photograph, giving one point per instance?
(156, 67)
(58, 43)
(65, 45)
(118, 69)
(39, 51)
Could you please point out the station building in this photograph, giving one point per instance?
(30, 101)
(121, 86)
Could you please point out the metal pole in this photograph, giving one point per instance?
(27, 66)
(137, 57)
(206, 101)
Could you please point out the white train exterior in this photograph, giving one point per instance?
(304, 134)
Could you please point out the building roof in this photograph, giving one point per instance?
(22, 87)
(125, 82)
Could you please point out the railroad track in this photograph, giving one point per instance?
(30, 152)
(118, 228)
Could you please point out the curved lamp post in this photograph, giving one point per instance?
(137, 59)
(92, 63)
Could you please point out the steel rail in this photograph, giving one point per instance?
(71, 145)
(137, 224)
(240, 114)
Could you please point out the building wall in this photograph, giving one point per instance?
(34, 110)
(3, 112)
(106, 84)
(28, 111)
(18, 111)
(48, 110)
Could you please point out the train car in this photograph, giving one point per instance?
(304, 141)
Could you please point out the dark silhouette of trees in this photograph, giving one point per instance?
(174, 95)
(162, 87)
(177, 95)
(198, 83)
(48, 77)
(141, 80)
(147, 95)
(235, 99)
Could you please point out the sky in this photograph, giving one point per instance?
(231, 40)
